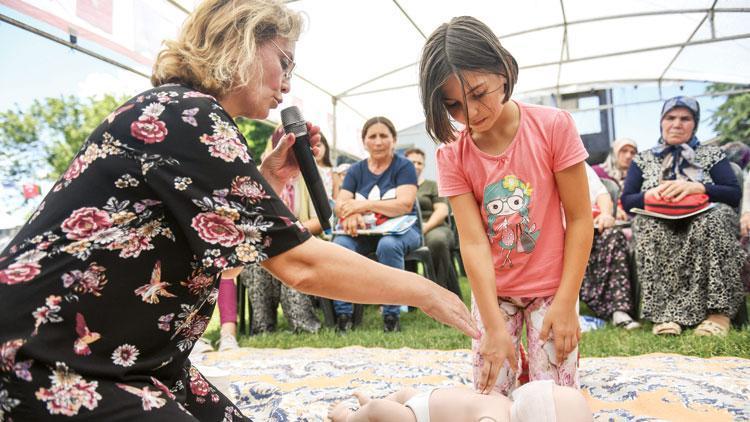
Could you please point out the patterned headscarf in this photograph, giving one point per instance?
(610, 164)
(678, 161)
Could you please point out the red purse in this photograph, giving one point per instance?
(690, 203)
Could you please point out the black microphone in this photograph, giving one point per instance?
(294, 123)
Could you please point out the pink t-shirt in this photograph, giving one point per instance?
(518, 198)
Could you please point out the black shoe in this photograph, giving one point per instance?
(343, 323)
(391, 323)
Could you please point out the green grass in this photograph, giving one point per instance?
(421, 332)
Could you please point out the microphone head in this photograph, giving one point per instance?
(290, 116)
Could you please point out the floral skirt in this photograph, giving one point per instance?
(606, 284)
(689, 268)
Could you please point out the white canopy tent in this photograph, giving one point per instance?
(358, 58)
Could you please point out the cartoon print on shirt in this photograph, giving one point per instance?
(503, 200)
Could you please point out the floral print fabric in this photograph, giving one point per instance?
(528, 311)
(107, 287)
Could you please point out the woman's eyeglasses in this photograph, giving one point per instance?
(288, 65)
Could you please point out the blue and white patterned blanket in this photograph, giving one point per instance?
(300, 384)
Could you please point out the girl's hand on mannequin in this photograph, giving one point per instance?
(562, 322)
(495, 348)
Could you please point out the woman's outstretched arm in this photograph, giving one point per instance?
(324, 269)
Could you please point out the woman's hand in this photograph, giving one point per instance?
(604, 221)
(280, 165)
(495, 348)
(675, 190)
(621, 214)
(444, 306)
(353, 223)
(354, 206)
(745, 223)
(562, 321)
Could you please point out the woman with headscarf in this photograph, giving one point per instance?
(689, 268)
(738, 153)
(606, 287)
(615, 167)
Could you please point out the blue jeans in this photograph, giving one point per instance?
(390, 251)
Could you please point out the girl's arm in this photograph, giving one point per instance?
(496, 344)
(562, 317)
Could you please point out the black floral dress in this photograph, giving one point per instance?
(107, 287)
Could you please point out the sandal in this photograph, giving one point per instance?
(628, 324)
(667, 328)
(711, 328)
(622, 320)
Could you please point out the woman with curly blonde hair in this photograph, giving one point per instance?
(104, 292)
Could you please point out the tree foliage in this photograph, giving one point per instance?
(256, 133)
(732, 119)
(43, 138)
(47, 134)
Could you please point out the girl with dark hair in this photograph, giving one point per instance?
(509, 174)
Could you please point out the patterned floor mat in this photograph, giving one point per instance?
(300, 384)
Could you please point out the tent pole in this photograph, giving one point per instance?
(334, 150)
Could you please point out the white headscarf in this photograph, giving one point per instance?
(610, 164)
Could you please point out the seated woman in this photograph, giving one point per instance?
(615, 167)
(689, 268)
(266, 291)
(384, 184)
(738, 153)
(437, 235)
(325, 168)
(606, 287)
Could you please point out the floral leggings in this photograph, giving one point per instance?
(530, 310)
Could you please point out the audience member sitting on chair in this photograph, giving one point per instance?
(266, 291)
(325, 168)
(738, 153)
(615, 167)
(384, 184)
(437, 234)
(606, 287)
(745, 232)
(689, 269)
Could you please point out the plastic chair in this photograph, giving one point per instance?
(456, 251)
(422, 254)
